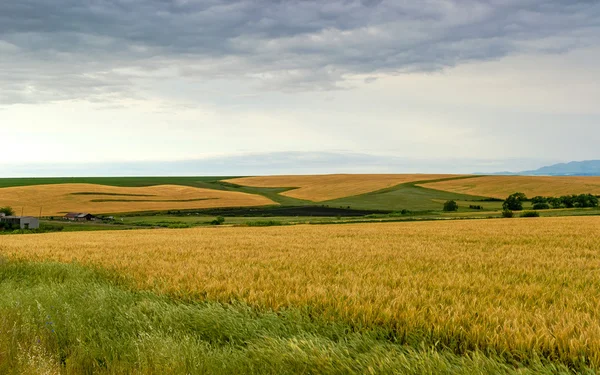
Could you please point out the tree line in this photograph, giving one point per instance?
(514, 202)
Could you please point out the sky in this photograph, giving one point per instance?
(241, 87)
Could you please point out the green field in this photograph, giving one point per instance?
(406, 196)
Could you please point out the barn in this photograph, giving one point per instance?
(79, 216)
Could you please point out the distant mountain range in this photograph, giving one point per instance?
(574, 168)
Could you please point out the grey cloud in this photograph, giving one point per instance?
(64, 49)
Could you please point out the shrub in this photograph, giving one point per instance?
(450, 206)
(474, 207)
(530, 214)
(51, 228)
(218, 221)
(507, 214)
(178, 226)
(541, 206)
(5, 226)
(492, 200)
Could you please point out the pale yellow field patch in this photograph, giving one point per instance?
(319, 188)
(96, 199)
(503, 186)
(508, 285)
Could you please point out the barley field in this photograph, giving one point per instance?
(319, 188)
(503, 186)
(60, 198)
(523, 289)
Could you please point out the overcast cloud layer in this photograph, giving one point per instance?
(307, 75)
(69, 49)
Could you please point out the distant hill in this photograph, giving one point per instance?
(574, 168)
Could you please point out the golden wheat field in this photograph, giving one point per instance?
(510, 286)
(61, 198)
(319, 188)
(503, 186)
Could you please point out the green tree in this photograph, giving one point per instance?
(514, 202)
(450, 206)
(539, 200)
(593, 200)
(521, 196)
(568, 201)
(555, 202)
(218, 221)
(8, 211)
(586, 200)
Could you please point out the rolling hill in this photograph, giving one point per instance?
(502, 186)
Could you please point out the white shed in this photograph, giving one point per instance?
(23, 222)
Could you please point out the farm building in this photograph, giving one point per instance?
(23, 222)
(79, 216)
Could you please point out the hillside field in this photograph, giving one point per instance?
(320, 188)
(348, 192)
(58, 199)
(503, 186)
(314, 196)
(510, 295)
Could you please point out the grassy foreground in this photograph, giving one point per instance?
(57, 318)
(521, 289)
